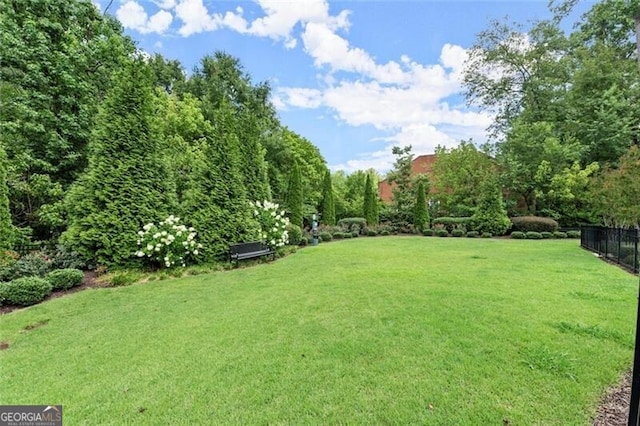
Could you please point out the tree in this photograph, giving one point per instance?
(57, 62)
(295, 197)
(125, 185)
(420, 213)
(217, 202)
(6, 228)
(458, 175)
(328, 208)
(616, 191)
(400, 178)
(491, 215)
(370, 208)
(220, 79)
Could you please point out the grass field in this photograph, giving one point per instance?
(385, 330)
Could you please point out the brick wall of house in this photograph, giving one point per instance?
(420, 164)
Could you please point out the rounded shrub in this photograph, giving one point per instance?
(457, 233)
(347, 235)
(427, 232)
(352, 223)
(487, 235)
(472, 234)
(303, 242)
(63, 279)
(533, 235)
(325, 236)
(295, 234)
(534, 223)
(546, 235)
(25, 291)
(372, 232)
(442, 233)
(559, 234)
(33, 264)
(355, 234)
(385, 232)
(450, 223)
(517, 235)
(573, 234)
(338, 235)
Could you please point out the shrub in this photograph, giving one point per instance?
(34, 264)
(534, 223)
(294, 233)
(442, 233)
(472, 234)
(385, 232)
(63, 279)
(487, 235)
(457, 233)
(573, 234)
(25, 291)
(517, 235)
(303, 241)
(354, 234)
(64, 258)
(371, 232)
(325, 236)
(347, 235)
(338, 235)
(352, 223)
(491, 214)
(559, 234)
(427, 232)
(533, 235)
(168, 243)
(450, 223)
(273, 224)
(546, 235)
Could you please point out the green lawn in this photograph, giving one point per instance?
(385, 330)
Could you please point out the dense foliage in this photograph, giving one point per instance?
(328, 209)
(6, 228)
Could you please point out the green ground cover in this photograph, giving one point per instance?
(393, 330)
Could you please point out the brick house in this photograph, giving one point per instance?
(420, 164)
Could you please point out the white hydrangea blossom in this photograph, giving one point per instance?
(273, 223)
(169, 243)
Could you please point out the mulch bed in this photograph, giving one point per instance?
(614, 408)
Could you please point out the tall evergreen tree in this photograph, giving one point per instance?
(217, 202)
(491, 215)
(125, 184)
(6, 229)
(420, 212)
(295, 196)
(370, 210)
(400, 176)
(328, 201)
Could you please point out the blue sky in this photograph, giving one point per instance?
(353, 77)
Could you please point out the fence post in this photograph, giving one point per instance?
(636, 260)
(619, 236)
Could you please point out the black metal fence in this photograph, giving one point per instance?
(617, 245)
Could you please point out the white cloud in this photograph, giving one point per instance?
(132, 15)
(195, 18)
(165, 4)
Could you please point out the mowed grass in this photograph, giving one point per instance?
(386, 330)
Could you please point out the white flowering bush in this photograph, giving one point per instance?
(167, 244)
(273, 223)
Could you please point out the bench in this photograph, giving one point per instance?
(250, 250)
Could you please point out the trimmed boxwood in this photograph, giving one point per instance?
(487, 235)
(354, 234)
(472, 234)
(457, 233)
(546, 235)
(517, 235)
(451, 223)
(559, 234)
(534, 223)
(325, 236)
(25, 291)
(348, 223)
(573, 234)
(338, 235)
(384, 232)
(442, 233)
(533, 235)
(427, 232)
(295, 234)
(372, 232)
(63, 279)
